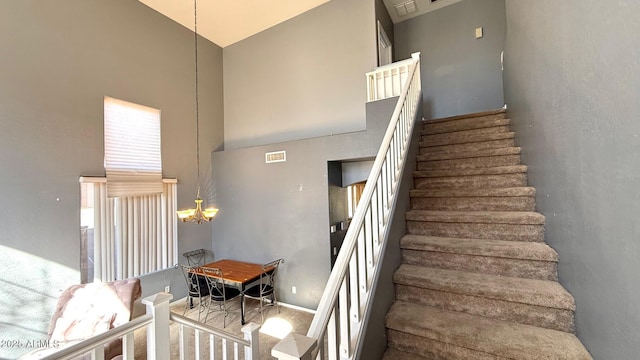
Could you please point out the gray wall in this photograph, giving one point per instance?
(58, 61)
(460, 74)
(302, 78)
(356, 171)
(282, 209)
(572, 84)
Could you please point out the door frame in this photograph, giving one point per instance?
(385, 47)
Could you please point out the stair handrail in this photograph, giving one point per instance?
(157, 322)
(95, 345)
(346, 301)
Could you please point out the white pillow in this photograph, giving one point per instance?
(79, 329)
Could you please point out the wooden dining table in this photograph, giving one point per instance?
(240, 275)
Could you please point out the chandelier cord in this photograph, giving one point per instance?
(197, 215)
(195, 37)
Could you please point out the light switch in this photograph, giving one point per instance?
(479, 33)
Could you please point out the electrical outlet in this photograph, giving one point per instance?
(167, 289)
(293, 289)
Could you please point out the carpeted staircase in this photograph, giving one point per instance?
(477, 280)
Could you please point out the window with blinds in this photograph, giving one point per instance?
(132, 154)
(128, 221)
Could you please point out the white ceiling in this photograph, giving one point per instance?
(225, 22)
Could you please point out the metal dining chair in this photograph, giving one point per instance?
(197, 288)
(196, 257)
(219, 293)
(266, 287)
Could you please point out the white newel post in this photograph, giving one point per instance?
(294, 347)
(251, 333)
(158, 339)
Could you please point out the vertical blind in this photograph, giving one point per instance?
(104, 244)
(132, 153)
(133, 235)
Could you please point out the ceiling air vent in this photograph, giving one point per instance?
(275, 156)
(405, 8)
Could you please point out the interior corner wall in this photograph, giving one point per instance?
(460, 74)
(572, 84)
(302, 78)
(59, 59)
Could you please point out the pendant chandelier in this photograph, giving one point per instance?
(197, 215)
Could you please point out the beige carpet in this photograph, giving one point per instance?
(299, 322)
(477, 280)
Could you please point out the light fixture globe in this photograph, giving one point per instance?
(197, 215)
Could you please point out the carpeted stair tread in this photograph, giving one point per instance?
(507, 232)
(470, 181)
(474, 199)
(430, 128)
(478, 217)
(469, 163)
(480, 247)
(493, 338)
(548, 294)
(508, 264)
(496, 170)
(393, 354)
(522, 191)
(498, 113)
(520, 203)
(467, 136)
(425, 148)
(512, 150)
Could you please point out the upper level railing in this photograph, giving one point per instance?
(339, 322)
(157, 320)
(388, 80)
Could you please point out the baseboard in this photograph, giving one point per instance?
(296, 307)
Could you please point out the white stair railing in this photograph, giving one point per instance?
(340, 318)
(219, 341)
(95, 345)
(157, 320)
(388, 80)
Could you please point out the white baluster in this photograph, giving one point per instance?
(158, 338)
(251, 333)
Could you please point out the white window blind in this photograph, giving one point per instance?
(132, 155)
(128, 236)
